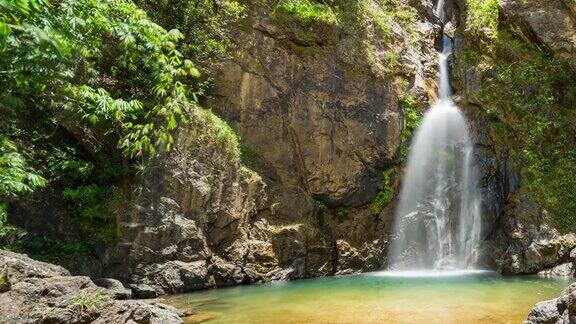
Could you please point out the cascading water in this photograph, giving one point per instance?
(438, 218)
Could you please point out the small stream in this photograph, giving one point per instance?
(380, 297)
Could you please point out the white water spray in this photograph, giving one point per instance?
(440, 10)
(438, 218)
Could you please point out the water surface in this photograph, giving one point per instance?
(381, 297)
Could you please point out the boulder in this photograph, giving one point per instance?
(114, 287)
(20, 266)
(561, 310)
(525, 243)
(40, 292)
(562, 270)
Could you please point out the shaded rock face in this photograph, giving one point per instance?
(194, 210)
(201, 221)
(38, 292)
(561, 310)
(517, 238)
(525, 243)
(549, 24)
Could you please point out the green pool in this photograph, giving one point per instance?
(381, 297)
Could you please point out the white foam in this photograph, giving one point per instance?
(430, 273)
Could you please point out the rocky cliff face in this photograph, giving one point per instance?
(320, 134)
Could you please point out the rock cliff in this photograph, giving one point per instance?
(322, 125)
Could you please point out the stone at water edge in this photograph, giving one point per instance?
(561, 310)
(562, 270)
(39, 292)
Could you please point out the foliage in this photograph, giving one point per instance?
(482, 14)
(305, 11)
(10, 236)
(205, 23)
(388, 11)
(341, 213)
(372, 24)
(385, 195)
(250, 156)
(82, 302)
(16, 177)
(67, 54)
(321, 206)
(217, 131)
(76, 75)
(378, 29)
(87, 206)
(412, 116)
(66, 254)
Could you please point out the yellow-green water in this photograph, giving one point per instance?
(374, 298)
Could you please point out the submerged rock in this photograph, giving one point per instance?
(39, 292)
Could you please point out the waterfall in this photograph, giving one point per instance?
(438, 219)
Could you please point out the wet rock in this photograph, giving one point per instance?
(290, 246)
(226, 273)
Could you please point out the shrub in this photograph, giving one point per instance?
(385, 195)
(82, 302)
(305, 12)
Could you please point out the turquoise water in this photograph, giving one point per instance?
(464, 297)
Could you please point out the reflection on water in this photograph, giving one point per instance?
(474, 297)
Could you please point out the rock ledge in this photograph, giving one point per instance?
(38, 292)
